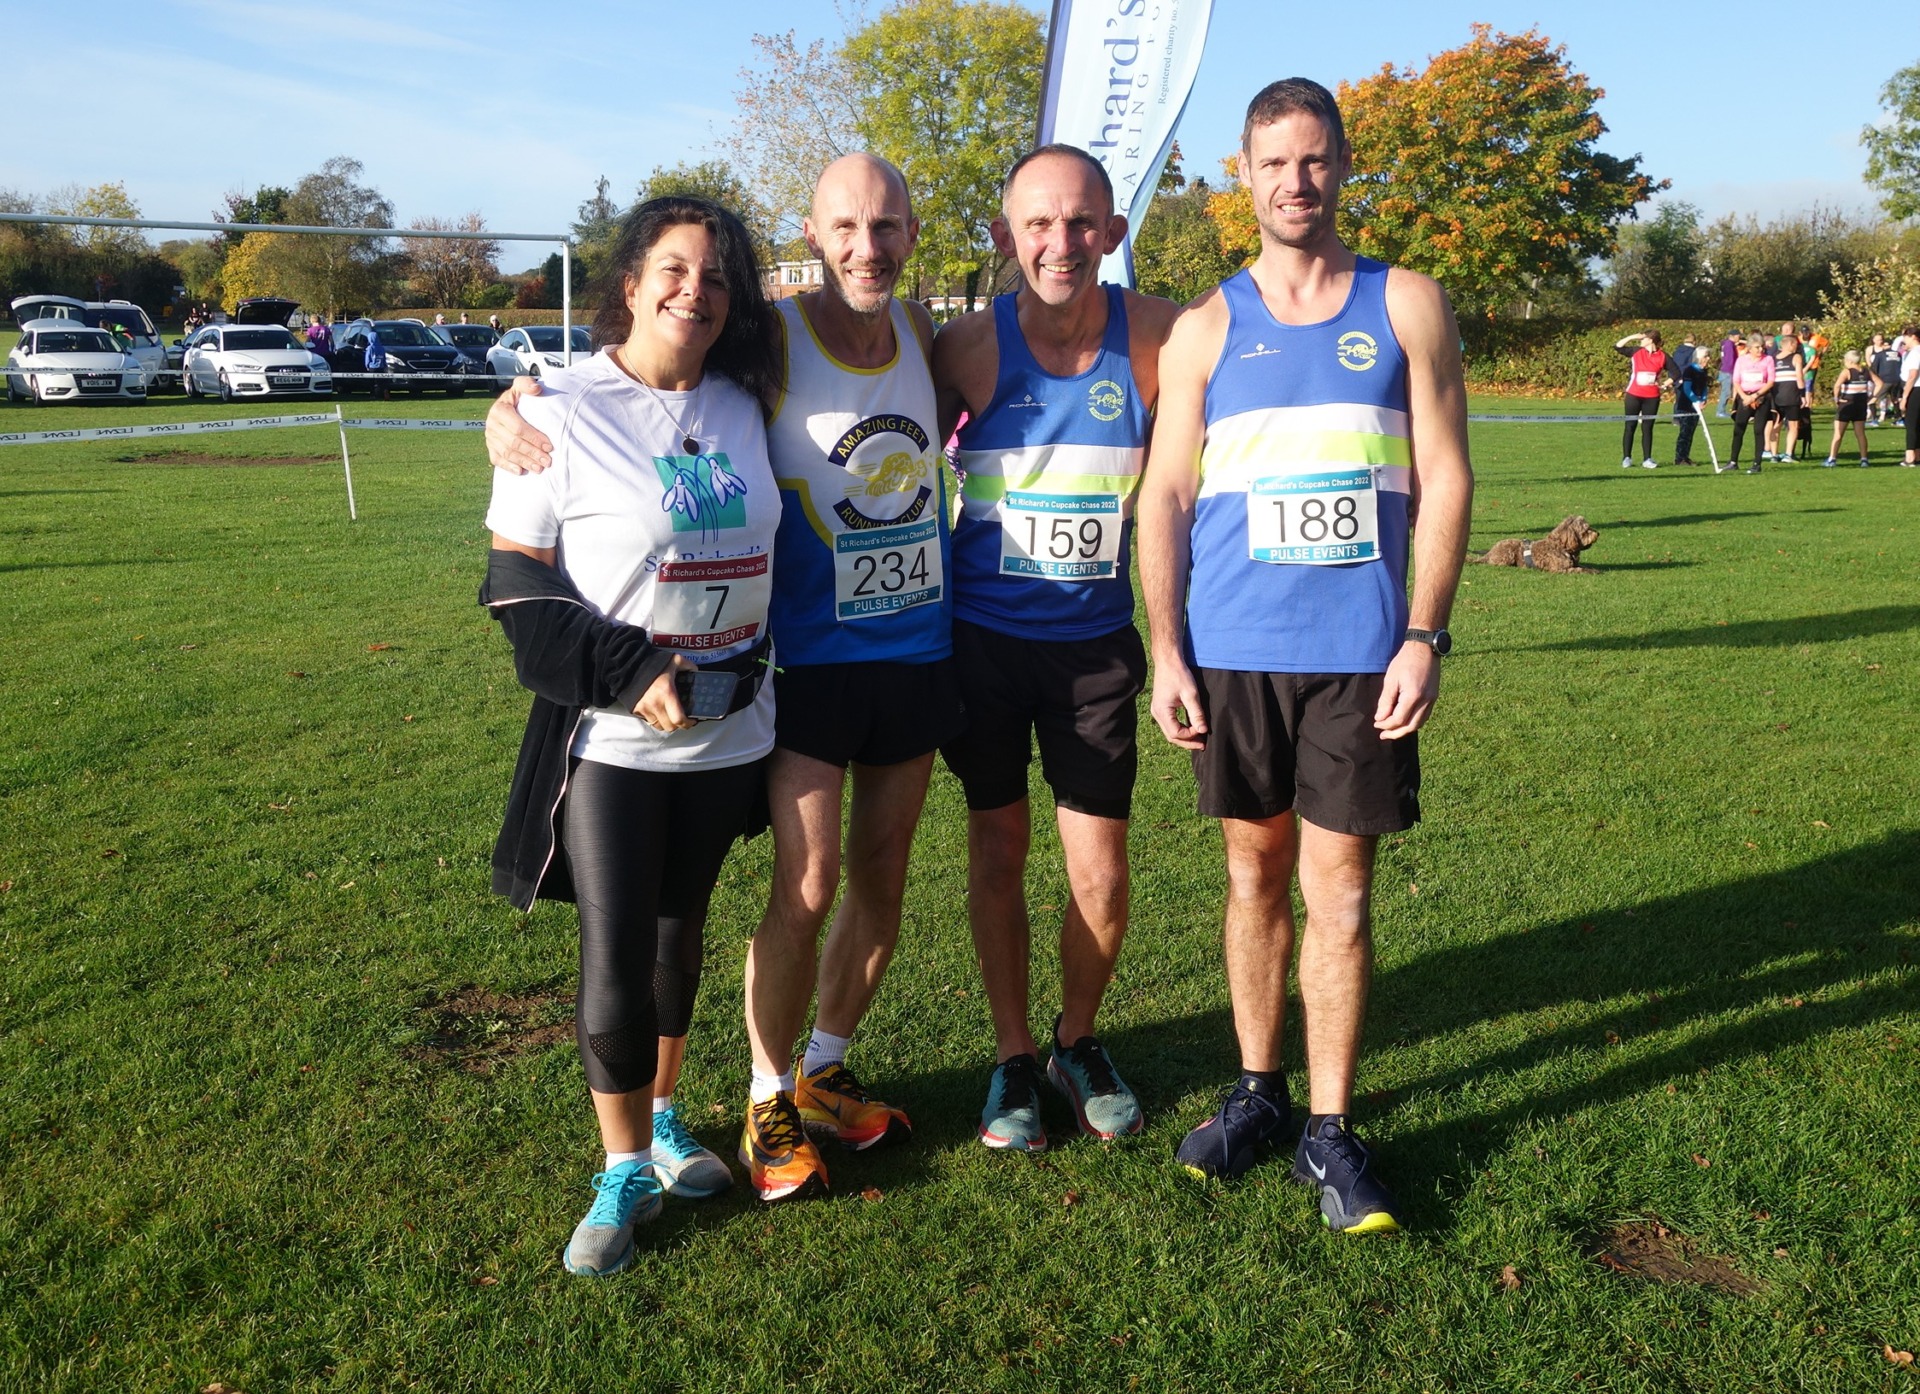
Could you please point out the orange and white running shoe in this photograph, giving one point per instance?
(780, 1158)
(835, 1104)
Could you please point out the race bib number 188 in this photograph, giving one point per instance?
(878, 571)
(1314, 519)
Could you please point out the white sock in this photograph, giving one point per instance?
(824, 1049)
(662, 1102)
(764, 1087)
(644, 1156)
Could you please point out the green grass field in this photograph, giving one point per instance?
(291, 1101)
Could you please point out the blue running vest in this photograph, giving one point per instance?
(862, 554)
(1300, 531)
(1046, 511)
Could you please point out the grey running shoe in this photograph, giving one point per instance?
(685, 1168)
(1011, 1119)
(602, 1243)
(1101, 1101)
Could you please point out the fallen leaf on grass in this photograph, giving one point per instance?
(5, 886)
(407, 717)
(1613, 1038)
(1413, 888)
(486, 1280)
(1780, 725)
(1763, 1215)
(281, 807)
(1753, 844)
(1779, 1253)
(306, 1069)
(1509, 1279)
(348, 885)
(1898, 1357)
(872, 1193)
(110, 852)
(295, 673)
(185, 647)
(1701, 1161)
(1070, 1199)
(1796, 1001)
(219, 1387)
(1673, 1089)
(378, 648)
(1821, 823)
(1873, 667)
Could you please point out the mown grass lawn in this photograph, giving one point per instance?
(290, 1101)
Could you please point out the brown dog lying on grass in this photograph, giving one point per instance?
(1559, 550)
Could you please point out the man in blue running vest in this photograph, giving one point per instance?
(1056, 380)
(1312, 432)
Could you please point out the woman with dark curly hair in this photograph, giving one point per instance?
(632, 579)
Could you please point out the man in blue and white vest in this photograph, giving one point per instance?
(1311, 434)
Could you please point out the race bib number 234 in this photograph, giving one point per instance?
(880, 571)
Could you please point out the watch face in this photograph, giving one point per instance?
(1442, 642)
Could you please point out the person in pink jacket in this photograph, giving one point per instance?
(1752, 398)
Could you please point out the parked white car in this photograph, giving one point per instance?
(123, 319)
(61, 360)
(527, 351)
(252, 360)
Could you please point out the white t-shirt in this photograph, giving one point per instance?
(680, 545)
(1910, 365)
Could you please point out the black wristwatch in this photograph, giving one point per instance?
(1438, 640)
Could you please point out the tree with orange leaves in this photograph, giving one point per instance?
(1480, 170)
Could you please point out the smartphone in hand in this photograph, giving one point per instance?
(705, 696)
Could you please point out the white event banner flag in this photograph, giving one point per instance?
(1118, 76)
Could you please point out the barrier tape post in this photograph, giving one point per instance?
(346, 464)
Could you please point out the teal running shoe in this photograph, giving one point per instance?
(1011, 1120)
(602, 1244)
(686, 1170)
(1084, 1072)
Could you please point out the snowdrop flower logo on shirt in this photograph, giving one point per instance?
(703, 494)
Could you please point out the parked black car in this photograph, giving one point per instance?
(473, 341)
(410, 348)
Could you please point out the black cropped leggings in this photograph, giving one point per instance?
(1742, 414)
(1647, 410)
(645, 850)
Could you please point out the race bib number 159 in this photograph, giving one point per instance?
(1314, 519)
(1059, 537)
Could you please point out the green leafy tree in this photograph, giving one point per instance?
(1480, 170)
(1178, 250)
(1782, 268)
(717, 180)
(105, 244)
(796, 111)
(1878, 295)
(1657, 268)
(333, 272)
(267, 204)
(950, 93)
(1893, 146)
(199, 265)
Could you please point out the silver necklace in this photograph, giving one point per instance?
(688, 442)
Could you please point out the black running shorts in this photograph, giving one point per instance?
(1077, 696)
(866, 713)
(1306, 742)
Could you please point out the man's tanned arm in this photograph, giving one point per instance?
(1163, 514)
(1442, 501)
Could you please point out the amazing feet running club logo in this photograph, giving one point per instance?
(890, 457)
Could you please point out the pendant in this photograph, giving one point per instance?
(690, 445)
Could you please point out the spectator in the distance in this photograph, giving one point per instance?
(1850, 392)
(1752, 379)
(1883, 361)
(1910, 390)
(493, 323)
(1789, 387)
(1648, 362)
(1689, 398)
(319, 337)
(1729, 355)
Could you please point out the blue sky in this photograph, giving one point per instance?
(510, 111)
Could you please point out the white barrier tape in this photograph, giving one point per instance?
(398, 423)
(168, 428)
(250, 423)
(414, 377)
(1616, 418)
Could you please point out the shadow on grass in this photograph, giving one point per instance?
(1688, 520)
(1757, 634)
(1728, 973)
(101, 561)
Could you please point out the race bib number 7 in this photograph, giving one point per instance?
(1059, 537)
(880, 571)
(701, 606)
(1314, 519)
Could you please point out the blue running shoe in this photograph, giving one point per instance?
(1245, 1129)
(602, 1244)
(685, 1168)
(1101, 1101)
(1352, 1198)
(1011, 1119)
